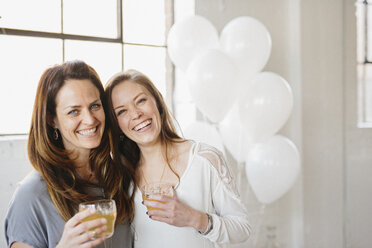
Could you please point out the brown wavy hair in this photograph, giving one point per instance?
(125, 150)
(49, 157)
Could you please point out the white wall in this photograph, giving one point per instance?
(323, 117)
(14, 166)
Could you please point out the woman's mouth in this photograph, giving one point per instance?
(87, 132)
(142, 125)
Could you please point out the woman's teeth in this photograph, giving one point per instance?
(87, 131)
(142, 125)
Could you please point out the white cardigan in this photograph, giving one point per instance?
(208, 186)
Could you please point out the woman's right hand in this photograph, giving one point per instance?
(77, 234)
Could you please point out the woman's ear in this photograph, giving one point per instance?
(52, 122)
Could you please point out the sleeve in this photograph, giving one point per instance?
(230, 216)
(23, 222)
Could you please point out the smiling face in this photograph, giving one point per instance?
(137, 114)
(80, 117)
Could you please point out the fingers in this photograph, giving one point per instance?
(162, 219)
(169, 210)
(82, 231)
(89, 225)
(155, 204)
(93, 243)
(158, 197)
(89, 234)
(85, 237)
(163, 203)
(159, 212)
(77, 218)
(83, 234)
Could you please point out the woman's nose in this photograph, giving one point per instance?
(136, 113)
(88, 117)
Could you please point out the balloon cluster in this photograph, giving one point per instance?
(249, 105)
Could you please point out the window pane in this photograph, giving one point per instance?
(90, 17)
(104, 57)
(148, 60)
(365, 95)
(31, 15)
(22, 61)
(144, 21)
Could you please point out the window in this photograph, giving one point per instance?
(364, 59)
(110, 35)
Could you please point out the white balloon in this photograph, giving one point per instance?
(248, 42)
(213, 84)
(232, 134)
(265, 106)
(204, 132)
(190, 37)
(272, 168)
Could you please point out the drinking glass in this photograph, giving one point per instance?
(104, 209)
(159, 188)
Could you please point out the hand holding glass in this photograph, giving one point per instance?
(104, 209)
(156, 188)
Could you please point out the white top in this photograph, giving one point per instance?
(208, 186)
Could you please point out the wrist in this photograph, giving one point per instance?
(209, 225)
(199, 221)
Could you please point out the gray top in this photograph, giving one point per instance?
(33, 219)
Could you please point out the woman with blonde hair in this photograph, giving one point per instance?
(204, 208)
(68, 147)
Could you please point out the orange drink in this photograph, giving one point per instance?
(104, 209)
(156, 188)
(147, 199)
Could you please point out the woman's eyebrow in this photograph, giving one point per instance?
(134, 98)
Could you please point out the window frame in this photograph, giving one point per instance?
(169, 67)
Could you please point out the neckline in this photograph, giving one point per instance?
(191, 157)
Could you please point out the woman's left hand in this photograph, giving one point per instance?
(174, 212)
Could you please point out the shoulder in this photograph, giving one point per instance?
(31, 187)
(216, 161)
(31, 191)
(210, 153)
(28, 210)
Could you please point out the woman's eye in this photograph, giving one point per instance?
(72, 112)
(95, 106)
(141, 100)
(121, 111)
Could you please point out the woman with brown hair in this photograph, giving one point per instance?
(203, 209)
(68, 147)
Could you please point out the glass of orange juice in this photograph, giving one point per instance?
(104, 209)
(160, 188)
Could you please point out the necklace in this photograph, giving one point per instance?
(161, 177)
